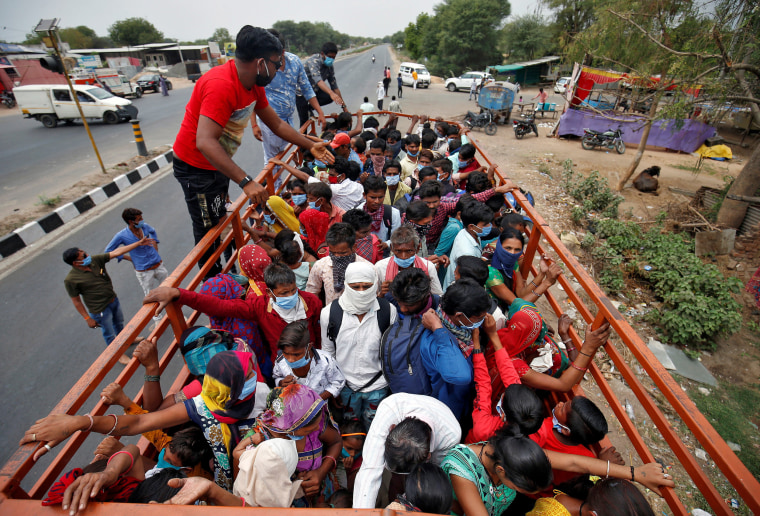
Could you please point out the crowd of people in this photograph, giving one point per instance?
(376, 344)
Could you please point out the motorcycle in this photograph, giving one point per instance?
(373, 59)
(482, 120)
(8, 98)
(608, 139)
(524, 126)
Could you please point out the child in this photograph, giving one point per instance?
(328, 273)
(299, 362)
(368, 246)
(353, 434)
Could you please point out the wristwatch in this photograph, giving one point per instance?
(245, 181)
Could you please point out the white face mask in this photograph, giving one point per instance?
(358, 301)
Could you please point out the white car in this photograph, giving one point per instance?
(464, 81)
(561, 85)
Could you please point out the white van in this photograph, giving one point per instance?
(50, 103)
(423, 76)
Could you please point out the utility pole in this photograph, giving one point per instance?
(50, 29)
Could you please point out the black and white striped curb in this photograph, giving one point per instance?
(33, 231)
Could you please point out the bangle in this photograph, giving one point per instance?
(92, 422)
(335, 462)
(533, 283)
(581, 369)
(608, 470)
(152, 378)
(131, 458)
(632, 476)
(570, 348)
(115, 422)
(585, 354)
(567, 340)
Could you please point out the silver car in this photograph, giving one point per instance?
(464, 81)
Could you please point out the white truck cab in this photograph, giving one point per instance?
(50, 103)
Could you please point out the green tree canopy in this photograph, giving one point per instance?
(305, 37)
(134, 31)
(527, 37)
(221, 35)
(571, 17)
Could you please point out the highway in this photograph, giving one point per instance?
(46, 345)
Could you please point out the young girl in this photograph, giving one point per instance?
(353, 434)
(292, 253)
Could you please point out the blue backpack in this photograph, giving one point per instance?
(400, 355)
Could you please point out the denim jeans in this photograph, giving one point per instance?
(205, 196)
(303, 106)
(111, 320)
(362, 404)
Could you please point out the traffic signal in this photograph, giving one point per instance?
(53, 63)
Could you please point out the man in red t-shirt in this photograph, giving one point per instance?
(219, 109)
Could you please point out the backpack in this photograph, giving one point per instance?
(388, 219)
(400, 356)
(336, 319)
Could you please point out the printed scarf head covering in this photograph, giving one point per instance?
(525, 328)
(340, 263)
(377, 217)
(291, 408)
(463, 335)
(223, 383)
(283, 213)
(224, 286)
(252, 261)
(316, 223)
(199, 344)
(421, 229)
(365, 247)
(504, 261)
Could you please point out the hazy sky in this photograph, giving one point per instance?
(188, 20)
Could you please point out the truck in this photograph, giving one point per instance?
(51, 103)
(109, 79)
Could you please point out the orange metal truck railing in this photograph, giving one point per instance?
(15, 500)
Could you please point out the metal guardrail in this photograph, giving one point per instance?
(14, 500)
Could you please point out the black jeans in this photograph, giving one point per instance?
(400, 91)
(302, 105)
(205, 195)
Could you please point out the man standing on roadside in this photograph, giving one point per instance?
(88, 280)
(148, 265)
(222, 102)
(386, 79)
(321, 74)
(281, 95)
(400, 86)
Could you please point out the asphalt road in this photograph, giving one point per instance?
(46, 345)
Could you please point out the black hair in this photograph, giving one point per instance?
(296, 183)
(407, 445)
(428, 488)
(392, 164)
(344, 120)
(612, 496)
(278, 274)
(512, 220)
(477, 182)
(476, 212)
(359, 219)
(95, 466)
(277, 34)
(70, 255)
(467, 151)
(294, 335)
(156, 488)
(418, 210)
(378, 143)
(360, 146)
(412, 138)
(427, 172)
(341, 499)
(474, 268)
(130, 214)
(467, 297)
(524, 463)
(319, 190)
(290, 252)
(341, 166)
(428, 138)
(586, 422)
(394, 134)
(374, 184)
(366, 99)
(368, 136)
(371, 123)
(454, 144)
(443, 125)
(522, 408)
(510, 232)
(382, 133)
(329, 48)
(340, 233)
(354, 426)
(410, 286)
(354, 170)
(191, 447)
(452, 131)
(430, 188)
(444, 164)
(255, 42)
(495, 202)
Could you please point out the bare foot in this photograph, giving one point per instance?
(124, 359)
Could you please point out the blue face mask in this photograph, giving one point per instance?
(313, 205)
(329, 61)
(404, 263)
(87, 261)
(443, 178)
(269, 219)
(301, 362)
(298, 199)
(140, 224)
(392, 180)
(319, 164)
(412, 155)
(419, 166)
(248, 388)
(483, 232)
(296, 437)
(344, 454)
(162, 464)
(287, 302)
(303, 232)
(463, 164)
(557, 425)
(473, 325)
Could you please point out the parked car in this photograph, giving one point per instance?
(423, 76)
(464, 81)
(561, 85)
(152, 82)
(49, 103)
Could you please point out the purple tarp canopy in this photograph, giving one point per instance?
(664, 133)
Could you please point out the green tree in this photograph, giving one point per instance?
(221, 35)
(397, 38)
(571, 17)
(527, 37)
(134, 31)
(413, 35)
